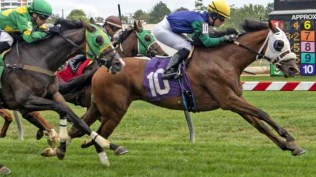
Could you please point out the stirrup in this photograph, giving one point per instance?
(172, 75)
(169, 76)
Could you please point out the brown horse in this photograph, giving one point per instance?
(29, 83)
(214, 74)
(129, 43)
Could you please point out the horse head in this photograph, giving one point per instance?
(137, 41)
(275, 47)
(147, 43)
(99, 48)
(279, 50)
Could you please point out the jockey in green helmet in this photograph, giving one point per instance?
(26, 21)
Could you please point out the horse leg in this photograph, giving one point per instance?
(60, 106)
(262, 128)
(89, 118)
(105, 130)
(7, 121)
(50, 132)
(241, 106)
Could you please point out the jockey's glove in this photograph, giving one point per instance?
(54, 29)
(230, 38)
(229, 31)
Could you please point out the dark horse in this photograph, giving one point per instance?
(29, 83)
(214, 74)
(128, 43)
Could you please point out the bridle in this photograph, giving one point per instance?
(282, 55)
(143, 46)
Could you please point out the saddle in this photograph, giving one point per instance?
(75, 62)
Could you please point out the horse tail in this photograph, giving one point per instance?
(77, 83)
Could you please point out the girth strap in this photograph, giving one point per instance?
(39, 70)
(31, 68)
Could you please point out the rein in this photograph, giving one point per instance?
(53, 73)
(259, 54)
(249, 49)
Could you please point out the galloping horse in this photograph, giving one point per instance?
(29, 83)
(214, 74)
(129, 43)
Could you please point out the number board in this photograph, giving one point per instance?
(300, 27)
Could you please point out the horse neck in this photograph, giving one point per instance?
(230, 56)
(54, 52)
(128, 47)
(253, 41)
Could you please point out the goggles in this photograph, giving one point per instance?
(43, 17)
(217, 16)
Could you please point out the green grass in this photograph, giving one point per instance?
(158, 143)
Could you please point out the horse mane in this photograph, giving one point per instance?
(252, 25)
(125, 34)
(68, 24)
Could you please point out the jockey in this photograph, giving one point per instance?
(169, 31)
(112, 24)
(27, 21)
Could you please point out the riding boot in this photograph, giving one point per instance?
(4, 46)
(172, 67)
(76, 62)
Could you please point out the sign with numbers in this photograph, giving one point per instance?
(300, 27)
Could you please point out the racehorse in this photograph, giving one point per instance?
(130, 42)
(214, 74)
(29, 82)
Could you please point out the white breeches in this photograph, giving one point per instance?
(5, 37)
(163, 33)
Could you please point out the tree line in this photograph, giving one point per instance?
(159, 10)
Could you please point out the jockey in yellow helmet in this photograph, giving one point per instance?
(169, 31)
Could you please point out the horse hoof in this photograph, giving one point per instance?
(60, 154)
(298, 151)
(39, 134)
(120, 151)
(49, 152)
(4, 170)
(86, 143)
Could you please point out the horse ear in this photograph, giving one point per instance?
(140, 24)
(92, 21)
(135, 26)
(87, 26)
(273, 27)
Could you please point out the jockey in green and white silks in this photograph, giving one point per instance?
(29, 21)
(169, 31)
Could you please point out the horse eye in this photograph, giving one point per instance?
(278, 45)
(99, 40)
(147, 38)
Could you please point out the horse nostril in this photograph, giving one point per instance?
(293, 70)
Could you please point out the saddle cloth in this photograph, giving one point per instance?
(156, 88)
